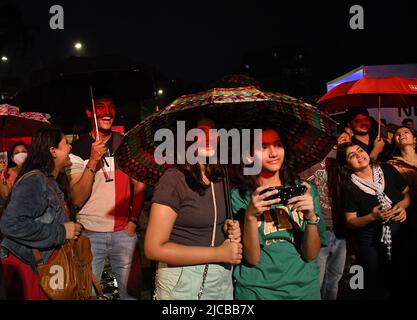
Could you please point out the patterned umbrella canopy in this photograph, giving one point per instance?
(309, 132)
(18, 126)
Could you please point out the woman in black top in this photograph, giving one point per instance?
(375, 197)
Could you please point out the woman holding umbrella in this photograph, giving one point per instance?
(187, 229)
(375, 197)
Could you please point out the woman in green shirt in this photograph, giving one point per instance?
(280, 242)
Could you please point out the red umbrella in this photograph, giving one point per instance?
(15, 126)
(390, 92)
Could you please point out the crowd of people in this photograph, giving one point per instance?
(209, 242)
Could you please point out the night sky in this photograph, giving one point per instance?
(201, 41)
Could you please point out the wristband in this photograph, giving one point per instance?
(316, 222)
(91, 170)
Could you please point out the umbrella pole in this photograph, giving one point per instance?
(93, 104)
(379, 116)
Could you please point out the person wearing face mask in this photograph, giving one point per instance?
(19, 154)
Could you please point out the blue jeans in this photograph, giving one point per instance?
(119, 247)
(332, 262)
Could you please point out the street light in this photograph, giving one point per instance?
(160, 92)
(4, 58)
(78, 46)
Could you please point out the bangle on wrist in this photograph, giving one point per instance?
(313, 222)
(91, 170)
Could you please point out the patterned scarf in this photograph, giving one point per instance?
(377, 189)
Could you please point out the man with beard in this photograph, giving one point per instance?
(360, 124)
(102, 192)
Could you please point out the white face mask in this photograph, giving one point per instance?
(19, 158)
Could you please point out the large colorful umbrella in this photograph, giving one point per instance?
(16, 126)
(309, 132)
(389, 92)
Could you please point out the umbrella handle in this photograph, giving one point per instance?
(93, 104)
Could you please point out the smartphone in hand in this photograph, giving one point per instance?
(285, 192)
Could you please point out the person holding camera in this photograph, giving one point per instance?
(281, 237)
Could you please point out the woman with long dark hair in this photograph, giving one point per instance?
(34, 216)
(375, 197)
(187, 229)
(281, 241)
(405, 161)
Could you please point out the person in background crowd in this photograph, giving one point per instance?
(333, 257)
(405, 161)
(106, 210)
(34, 217)
(360, 124)
(18, 154)
(375, 197)
(385, 132)
(409, 123)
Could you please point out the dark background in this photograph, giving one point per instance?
(293, 47)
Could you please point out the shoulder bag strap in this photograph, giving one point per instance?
(213, 241)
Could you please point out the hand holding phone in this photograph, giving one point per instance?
(285, 192)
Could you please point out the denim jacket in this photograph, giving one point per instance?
(33, 218)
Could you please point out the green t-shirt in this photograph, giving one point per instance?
(281, 273)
